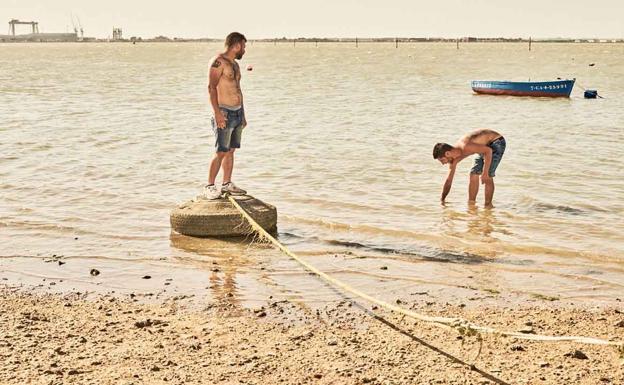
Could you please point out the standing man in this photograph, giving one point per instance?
(226, 99)
(490, 145)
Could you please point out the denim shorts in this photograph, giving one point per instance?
(498, 149)
(230, 136)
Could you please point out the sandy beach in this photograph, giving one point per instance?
(82, 338)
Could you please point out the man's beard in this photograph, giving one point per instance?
(239, 56)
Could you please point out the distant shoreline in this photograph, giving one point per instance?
(164, 39)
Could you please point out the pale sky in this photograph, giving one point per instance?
(325, 18)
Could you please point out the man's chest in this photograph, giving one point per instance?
(232, 72)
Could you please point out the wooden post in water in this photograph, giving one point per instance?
(457, 43)
(356, 42)
(529, 43)
(396, 42)
(294, 42)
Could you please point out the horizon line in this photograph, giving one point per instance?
(353, 38)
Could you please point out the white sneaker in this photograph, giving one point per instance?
(231, 188)
(210, 192)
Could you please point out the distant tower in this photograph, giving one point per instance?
(117, 34)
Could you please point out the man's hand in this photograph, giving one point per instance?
(220, 119)
(485, 178)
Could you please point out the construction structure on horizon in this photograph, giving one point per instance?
(36, 36)
(117, 34)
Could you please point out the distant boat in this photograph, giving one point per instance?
(557, 88)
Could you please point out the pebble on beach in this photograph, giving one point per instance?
(579, 355)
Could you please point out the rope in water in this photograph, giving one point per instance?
(463, 326)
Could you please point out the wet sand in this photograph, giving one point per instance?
(79, 337)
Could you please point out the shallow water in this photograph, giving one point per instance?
(99, 142)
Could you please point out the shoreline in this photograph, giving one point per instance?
(337, 41)
(79, 337)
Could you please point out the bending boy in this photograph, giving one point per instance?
(490, 145)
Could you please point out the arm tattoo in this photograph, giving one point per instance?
(216, 64)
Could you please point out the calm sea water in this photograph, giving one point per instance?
(99, 141)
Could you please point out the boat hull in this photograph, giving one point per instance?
(554, 89)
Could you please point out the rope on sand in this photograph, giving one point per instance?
(462, 326)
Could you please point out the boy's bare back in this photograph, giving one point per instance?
(482, 136)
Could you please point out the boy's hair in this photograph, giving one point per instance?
(234, 38)
(440, 149)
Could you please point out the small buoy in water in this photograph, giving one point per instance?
(250, 68)
(590, 94)
(592, 64)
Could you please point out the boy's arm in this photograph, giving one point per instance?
(449, 181)
(487, 157)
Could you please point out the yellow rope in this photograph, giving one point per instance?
(461, 325)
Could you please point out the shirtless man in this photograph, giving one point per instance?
(490, 145)
(226, 99)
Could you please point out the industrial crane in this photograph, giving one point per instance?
(14, 22)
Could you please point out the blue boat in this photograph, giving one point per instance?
(557, 88)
